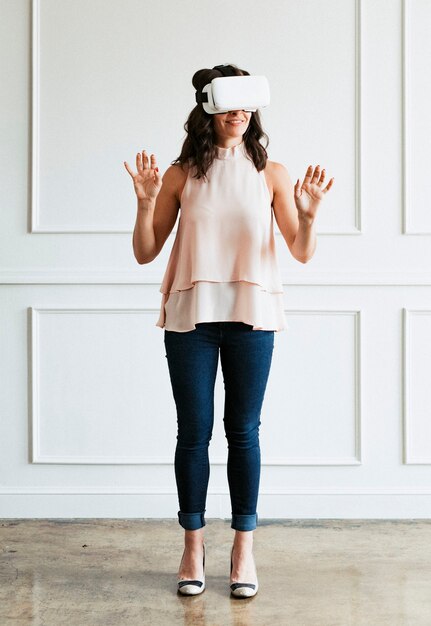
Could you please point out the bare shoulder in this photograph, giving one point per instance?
(277, 171)
(175, 178)
(176, 172)
(277, 178)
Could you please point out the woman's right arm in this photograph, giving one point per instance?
(158, 204)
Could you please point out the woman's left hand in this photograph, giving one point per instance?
(310, 193)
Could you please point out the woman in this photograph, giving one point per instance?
(222, 295)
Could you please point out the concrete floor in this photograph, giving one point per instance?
(120, 572)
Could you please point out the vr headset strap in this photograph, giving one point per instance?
(226, 70)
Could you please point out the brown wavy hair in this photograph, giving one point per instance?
(199, 148)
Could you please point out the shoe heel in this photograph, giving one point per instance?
(242, 590)
(192, 587)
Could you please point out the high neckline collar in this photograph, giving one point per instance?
(230, 153)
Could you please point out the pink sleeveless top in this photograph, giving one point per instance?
(223, 264)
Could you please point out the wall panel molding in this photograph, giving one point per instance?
(168, 491)
(63, 276)
(406, 136)
(38, 458)
(37, 228)
(409, 457)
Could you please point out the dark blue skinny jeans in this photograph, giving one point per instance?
(192, 357)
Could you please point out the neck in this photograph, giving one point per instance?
(229, 143)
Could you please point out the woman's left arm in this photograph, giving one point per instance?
(295, 208)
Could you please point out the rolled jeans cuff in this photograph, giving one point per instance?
(191, 521)
(244, 522)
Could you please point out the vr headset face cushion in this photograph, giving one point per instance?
(230, 93)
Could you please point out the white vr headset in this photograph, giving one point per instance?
(231, 92)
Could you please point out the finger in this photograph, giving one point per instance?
(145, 160)
(308, 174)
(328, 186)
(139, 163)
(315, 177)
(322, 178)
(153, 162)
(128, 169)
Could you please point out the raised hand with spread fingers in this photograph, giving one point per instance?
(310, 193)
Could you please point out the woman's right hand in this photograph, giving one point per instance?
(147, 181)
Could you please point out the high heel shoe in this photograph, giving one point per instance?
(242, 590)
(192, 587)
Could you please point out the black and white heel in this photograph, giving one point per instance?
(192, 587)
(242, 590)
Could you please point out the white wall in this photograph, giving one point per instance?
(88, 423)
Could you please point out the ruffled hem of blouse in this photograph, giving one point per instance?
(206, 301)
